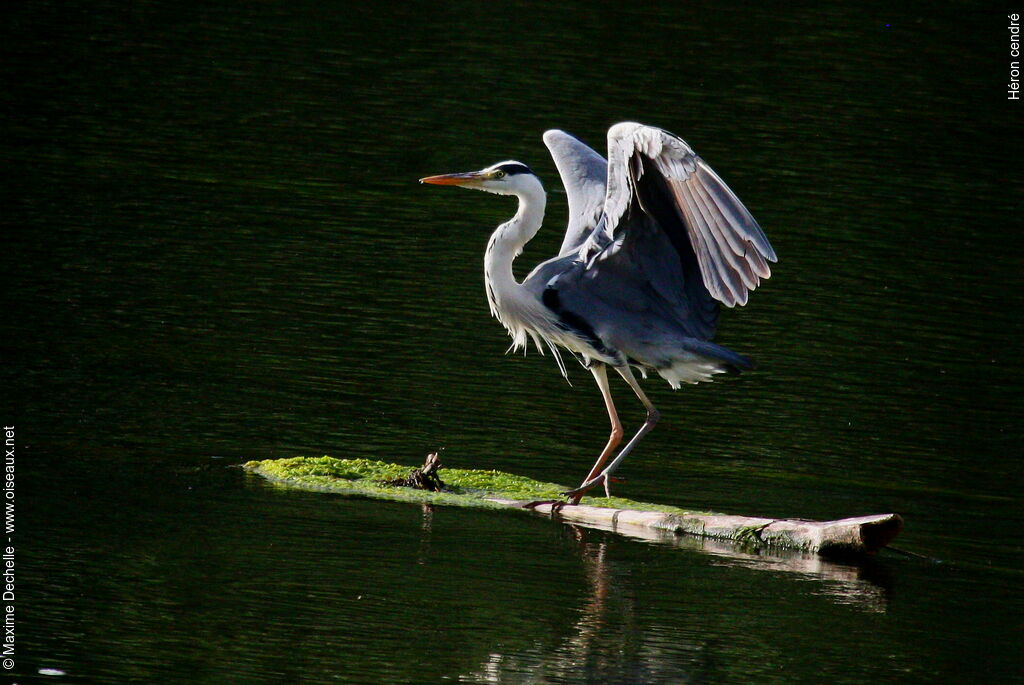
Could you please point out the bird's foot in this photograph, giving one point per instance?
(576, 495)
(556, 505)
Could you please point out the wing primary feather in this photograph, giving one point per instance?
(697, 244)
(731, 230)
(702, 233)
(758, 264)
(731, 205)
(721, 232)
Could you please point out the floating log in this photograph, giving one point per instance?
(494, 489)
(863, 534)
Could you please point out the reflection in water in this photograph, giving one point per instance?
(862, 582)
(579, 648)
(427, 522)
(609, 642)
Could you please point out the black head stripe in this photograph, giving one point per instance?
(513, 168)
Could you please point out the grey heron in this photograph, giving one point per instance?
(656, 242)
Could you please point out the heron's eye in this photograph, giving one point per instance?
(499, 174)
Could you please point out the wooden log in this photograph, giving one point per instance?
(494, 489)
(862, 534)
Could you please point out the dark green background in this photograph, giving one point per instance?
(215, 250)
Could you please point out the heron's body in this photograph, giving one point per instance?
(655, 242)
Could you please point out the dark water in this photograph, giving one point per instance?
(216, 250)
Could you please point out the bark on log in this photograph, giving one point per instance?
(862, 534)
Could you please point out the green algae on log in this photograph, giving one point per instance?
(499, 490)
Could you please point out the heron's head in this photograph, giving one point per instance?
(503, 178)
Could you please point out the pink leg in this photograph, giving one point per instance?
(652, 418)
(600, 372)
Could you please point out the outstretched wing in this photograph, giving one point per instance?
(583, 173)
(656, 183)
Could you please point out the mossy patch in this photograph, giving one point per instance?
(465, 487)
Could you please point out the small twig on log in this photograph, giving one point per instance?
(423, 478)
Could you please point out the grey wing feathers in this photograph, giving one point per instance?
(583, 173)
(648, 166)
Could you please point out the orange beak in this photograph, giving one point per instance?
(454, 179)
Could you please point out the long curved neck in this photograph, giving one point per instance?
(522, 314)
(507, 243)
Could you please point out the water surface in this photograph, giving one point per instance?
(217, 251)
